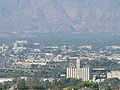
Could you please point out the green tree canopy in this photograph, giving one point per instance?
(57, 85)
(70, 81)
(112, 82)
(88, 85)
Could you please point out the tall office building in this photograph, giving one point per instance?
(78, 72)
(85, 74)
(72, 72)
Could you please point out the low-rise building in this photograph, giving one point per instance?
(2, 80)
(113, 74)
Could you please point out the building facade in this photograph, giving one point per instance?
(113, 74)
(78, 72)
(71, 72)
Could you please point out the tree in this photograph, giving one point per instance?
(7, 84)
(71, 88)
(57, 85)
(87, 84)
(37, 86)
(21, 84)
(112, 82)
(46, 84)
(70, 81)
(23, 87)
(32, 80)
(108, 87)
(1, 86)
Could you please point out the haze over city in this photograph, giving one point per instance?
(59, 15)
(59, 44)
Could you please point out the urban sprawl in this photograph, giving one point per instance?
(24, 59)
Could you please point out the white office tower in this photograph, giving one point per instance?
(71, 72)
(78, 72)
(85, 74)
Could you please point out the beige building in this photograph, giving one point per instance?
(113, 74)
(71, 72)
(83, 73)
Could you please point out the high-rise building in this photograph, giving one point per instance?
(78, 72)
(71, 72)
(85, 74)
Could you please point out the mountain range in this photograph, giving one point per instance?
(59, 16)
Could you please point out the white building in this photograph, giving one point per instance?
(19, 45)
(113, 74)
(2, 80)
(83, 73)
(71, 72)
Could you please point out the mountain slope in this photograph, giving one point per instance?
(59, 15)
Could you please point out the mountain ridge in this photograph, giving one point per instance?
(60, 15)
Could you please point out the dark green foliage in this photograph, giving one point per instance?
(37, 86)
(108, 87)
(46, 84)
(112, 83)
(108, 84)
(88, 85)
(1, 86)
(53, 70)
(7, 84)
(57, 85)
(102, 63)
(70, 82)
(21, 84)
(23, 87)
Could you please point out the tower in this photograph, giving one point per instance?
(78, 68)
(78, 64)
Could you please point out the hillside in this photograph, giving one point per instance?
(59, 15)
